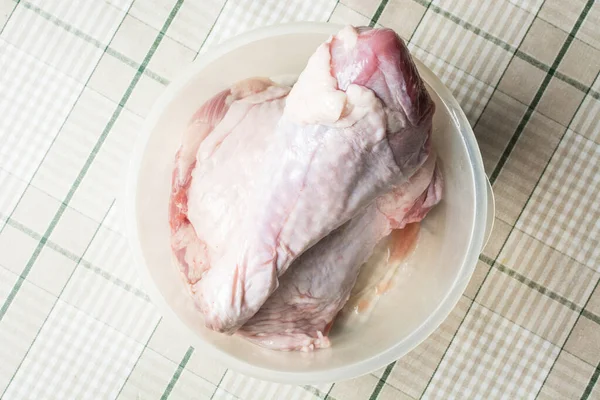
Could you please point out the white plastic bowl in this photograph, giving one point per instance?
(452, 235)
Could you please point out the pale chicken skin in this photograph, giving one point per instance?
(269, 179)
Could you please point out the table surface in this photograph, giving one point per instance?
(77, 78)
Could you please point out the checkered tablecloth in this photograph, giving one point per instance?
(77, 77)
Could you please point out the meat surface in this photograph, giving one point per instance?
(230, 112)
(299, 314)
(355, 125)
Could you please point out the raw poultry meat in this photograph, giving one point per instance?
(299, 314)
(264, 173)
(234, 108)
(355, 125)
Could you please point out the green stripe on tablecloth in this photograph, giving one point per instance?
(57, 298)
(557, 74)
(105, 48)
(522, 278)
(139, 357)
(532, 284)
(328, 395)
(74, 257)
(378, 13)
(517, 276)
(36, 236)
(9, 16)
(591, 316)
(214, 393)
(320, 394)
(177, 373)
(382, 381)
(412, 35)
(115, 281)
(515, 51)
(95, 42)
(583, 312)
(211, 29)
(591, 383)
(567, 338)
(578, 23)
(540, 288)
(25, 272)
(540, 92)
(467, 25)
(89, 161)
(333, 10)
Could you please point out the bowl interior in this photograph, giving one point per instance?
(403, 316)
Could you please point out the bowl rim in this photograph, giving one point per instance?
(345, 372)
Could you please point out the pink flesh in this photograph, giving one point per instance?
(384, 66)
